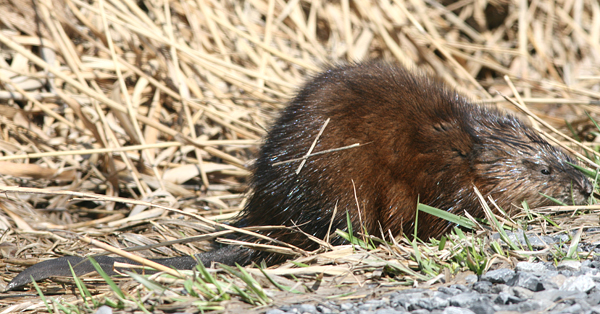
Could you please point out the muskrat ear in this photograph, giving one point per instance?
(460, 152)
(443, 126)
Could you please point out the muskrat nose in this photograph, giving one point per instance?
(585, 187)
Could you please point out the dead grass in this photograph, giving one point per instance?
(166, 102)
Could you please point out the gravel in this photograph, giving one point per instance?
(570, 287)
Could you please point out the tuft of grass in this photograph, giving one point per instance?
(253, 294)
(353, 239)
(275, 283)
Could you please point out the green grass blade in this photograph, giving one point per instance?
(459, 220)
(113, 286)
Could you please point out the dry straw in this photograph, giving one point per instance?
(165, 102)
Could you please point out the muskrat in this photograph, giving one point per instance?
(418, 141)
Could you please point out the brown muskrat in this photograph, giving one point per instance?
(418, 141)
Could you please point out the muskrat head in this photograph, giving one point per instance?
(514, 163)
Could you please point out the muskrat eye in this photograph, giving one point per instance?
(546, 171)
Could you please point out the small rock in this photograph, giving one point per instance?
(566, 272)
(522, 293)
(504, 298)
(452, 291)
(535, 240)
(500, 288)
(537, 268)
(104, 310)
(388, 311)
(435, 303)
(483, 306)
(462, 288)
(408, 299)
(555, 295)
(575, 308)
(275, 311)
(482, 286)
(307, 308)
(471, 279)
(528, 306)
(561, 238)
(379, 303)
(558, 280)
(593, 297)
(457, 310)
(594, 310)
(465, 299)
(589, 271)
(346, 306)
(369, 306)
(569, 265)
(526, 280)
(591, 264)
(579, 283)
(501, 275)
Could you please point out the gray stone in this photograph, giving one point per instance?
(482, 306)
(471, 279)
(462, 288)
(104, 310)
(557, 280)
(594, 310)
(502, 275)
(482, 286)
(558, 295)
(527, 306)
(435, 303)
(537, 268)
(589, 271)
(457, 310)
(324, 309)
(591, 264)
(466, 299)
(560, 307)
(275, 311)
(561, 237)
(389, 311)
(369, 306)
(593, 297)
(421, 311)
(376, 303)
(567, 273)
(452, 291)
(500, 288)
(535, 240)
(550, 294)
(575, 308)
(579, 283)
(522, 293)
(307, 308)
(527, 281)
(505, 298)
(407, 300)
(346, 306)
(569, 265)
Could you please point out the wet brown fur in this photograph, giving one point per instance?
(419, 141)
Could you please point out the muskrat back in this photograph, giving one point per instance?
(419, 141)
